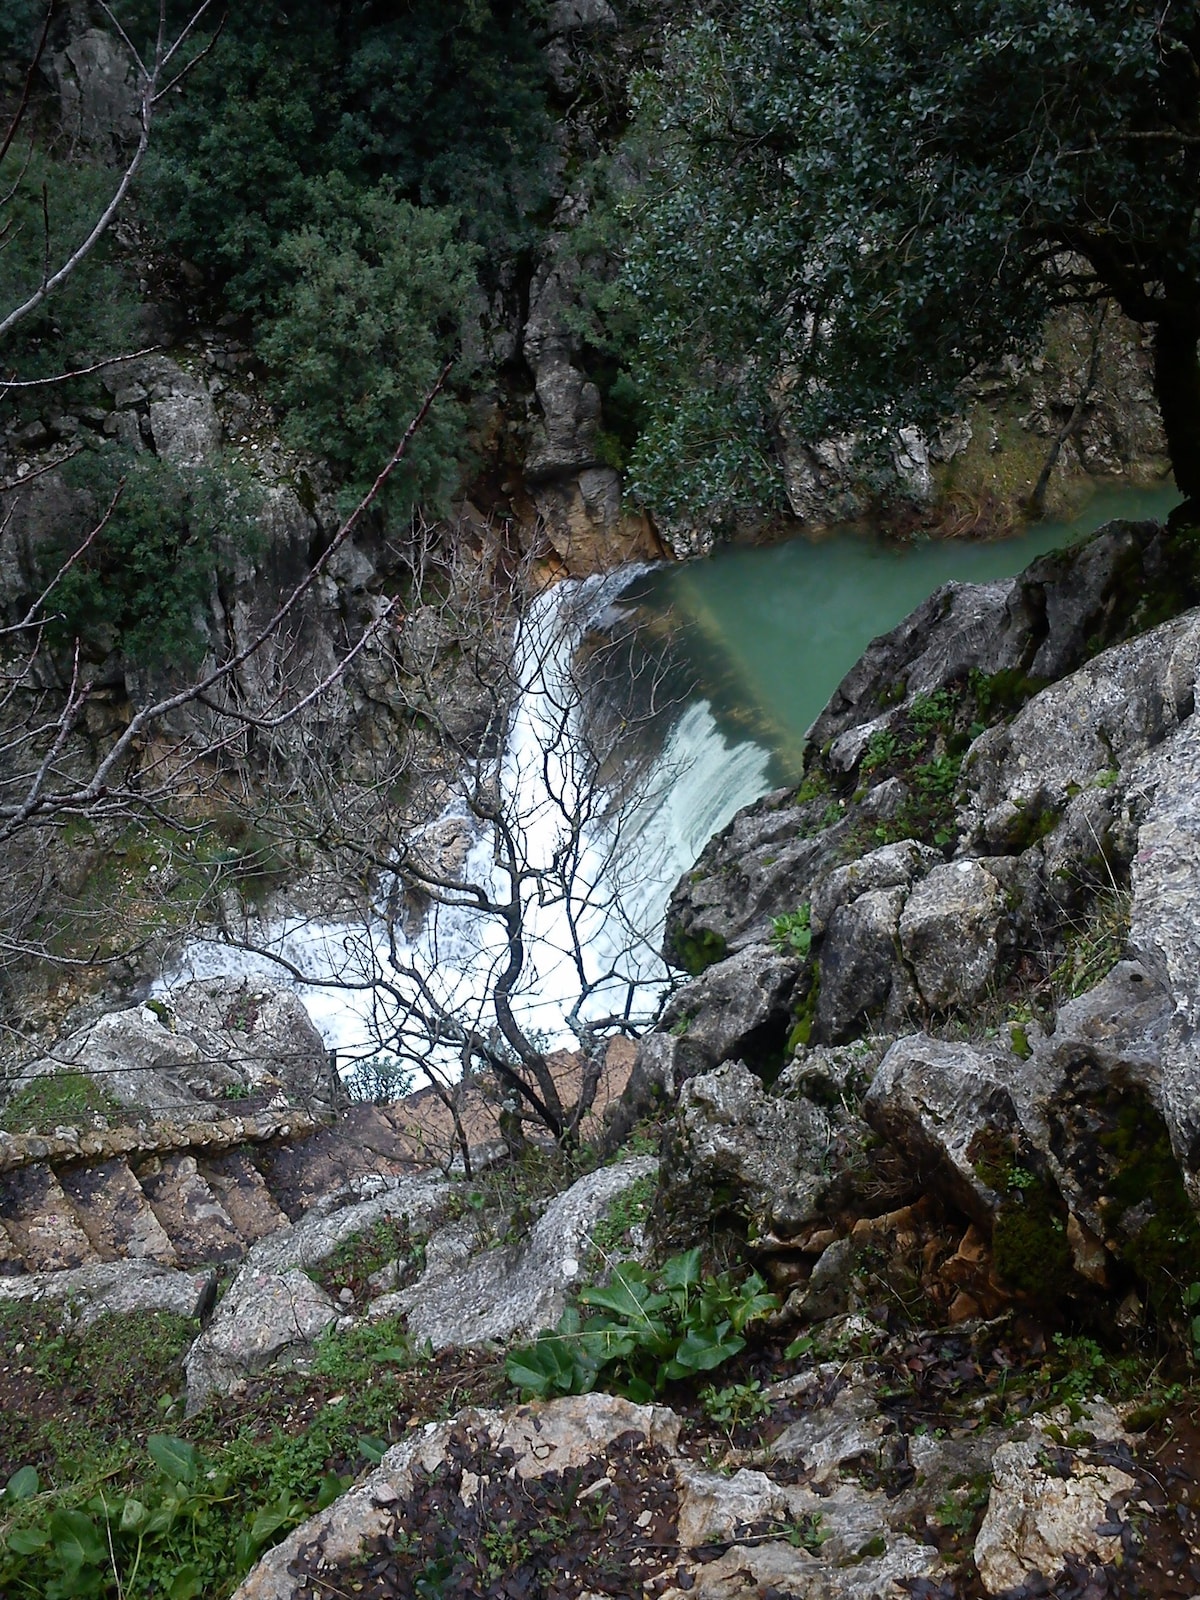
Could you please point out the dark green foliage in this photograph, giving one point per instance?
(1152, 1214)
(442, 98)
(643, 1331)
(95, 313)
(20, 26)
(377, 297)
(694, 952)
(142, 587)
(851, 205)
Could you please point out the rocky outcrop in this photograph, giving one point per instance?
(272, 1312)
(187, 1055)
(473, 1291)
(826, 1512)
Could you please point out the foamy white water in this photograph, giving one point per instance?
(593, 925)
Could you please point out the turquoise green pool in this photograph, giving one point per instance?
(766, 634)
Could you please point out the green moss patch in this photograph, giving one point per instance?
(696, 952)
(60, 1100)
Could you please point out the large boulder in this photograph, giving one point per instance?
(190, 1052)
(1165, 927)
(739, 1008)
(737, 1150)
(469, 1295)
(273, 1312)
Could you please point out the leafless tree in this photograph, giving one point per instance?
(494, 855)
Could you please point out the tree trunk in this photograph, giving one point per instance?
(1177, 384)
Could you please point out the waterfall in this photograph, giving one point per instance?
(633, 844)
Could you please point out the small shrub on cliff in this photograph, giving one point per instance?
(143, 586)
(645, 1330)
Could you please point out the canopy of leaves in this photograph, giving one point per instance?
(852, 204)
(378, 296)
(442, 98)
(50, 206)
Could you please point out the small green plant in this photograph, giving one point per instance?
(883, 747)
(733, 1405)
(627, 1211)
(644, 1330)
(160, 1536)
(793, 931)
(929, 714)
(960, 1511)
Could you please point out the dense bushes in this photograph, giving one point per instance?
(376, 298)
(143, 586)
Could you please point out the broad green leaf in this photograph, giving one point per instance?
(23, 1484)
(77, 1541)
(682, 1271)
(133, 1515)
(175, 1457)
(373, 1449)
(268, 1522)
(187, 1584)
(24, 1541)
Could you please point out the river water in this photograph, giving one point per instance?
(745, 649)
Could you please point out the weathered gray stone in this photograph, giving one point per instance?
(859, 964)
(734, 1140)
(931, 1099)
(179, 1056)
(1035, 1517)
(467, 1297)
(268, 1313)
(737, 1008)
(274, 1320)
(758, 867)
(949, 931)
(1080, 732)
(567, 15)
(98, 93)
(113, 1288)
(569, 1435)
(893, 866)
(1165, 927)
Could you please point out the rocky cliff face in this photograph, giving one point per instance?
(934, 1076)
(981, 885)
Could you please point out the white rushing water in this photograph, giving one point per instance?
(606, 919)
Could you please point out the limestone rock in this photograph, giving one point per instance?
(178, 1056)
(1036, 1517)
(1080, 731)
(113, 1288)
(1165, 930)
(762, 865)
(735, 1144)
(564, 1436)
(893, 866)
(738, 1008)
(931, 1099)
(274, 1319)
(859, 964)
(568, 15)
(949, 932)
(98, 93)
(468, 1296)
(272, 1311)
